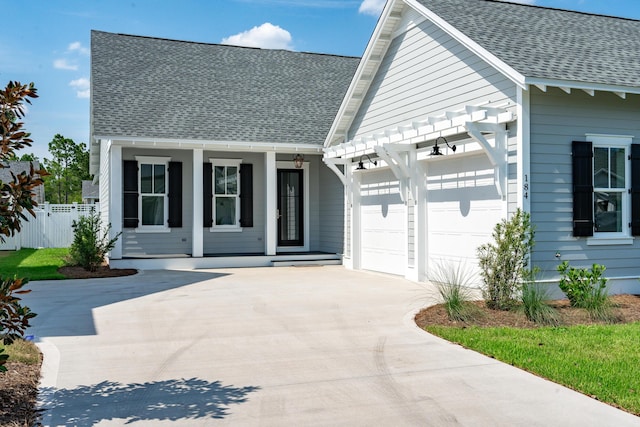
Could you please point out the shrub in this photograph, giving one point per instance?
(90, 242)
(587, 288)
(503, 262)
(453, 283)
(14, 317)
(534, 305)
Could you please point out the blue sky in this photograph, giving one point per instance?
(50, 43)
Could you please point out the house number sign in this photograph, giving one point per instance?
(525, 186)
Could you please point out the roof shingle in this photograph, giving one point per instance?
(550, 43)
(158, 88)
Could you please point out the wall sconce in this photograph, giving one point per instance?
(298, 160)
(436, 150)
(361, 164)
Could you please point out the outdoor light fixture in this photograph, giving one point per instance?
(298, 160)
(361, 164)
(436, 150)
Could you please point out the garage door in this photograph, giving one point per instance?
(463, 208)
(382, 216)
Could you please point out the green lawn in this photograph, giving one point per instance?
(22, 351)
(34, 264)
(597, 360)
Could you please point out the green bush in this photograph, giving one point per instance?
(90, 242)
(587, 288)
(504, 262)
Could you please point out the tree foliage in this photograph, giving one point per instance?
(15, 201)
(67, 168)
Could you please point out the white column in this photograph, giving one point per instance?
(271, 205)
(115, 198)
(523, 151)
(356, 247)
(197, 224)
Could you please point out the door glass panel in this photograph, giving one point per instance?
(290, 208)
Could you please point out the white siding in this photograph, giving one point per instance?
(331, 211)
(557, 119)
(425, 73)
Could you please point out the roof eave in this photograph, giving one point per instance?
(588, 87)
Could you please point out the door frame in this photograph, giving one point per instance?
(305, 206)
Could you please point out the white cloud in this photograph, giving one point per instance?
(267, 36)
(82, 86)
(372, 7)
(63, 64)
(77, 47)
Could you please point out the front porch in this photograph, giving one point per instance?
(208, 261)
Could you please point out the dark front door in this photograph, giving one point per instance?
(290, 207)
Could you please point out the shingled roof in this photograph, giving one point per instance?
(550, 43)
(156, 88)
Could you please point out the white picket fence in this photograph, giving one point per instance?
(51, 228)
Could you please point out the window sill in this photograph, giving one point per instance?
(225, 230)
(144, 230)
(604, 241)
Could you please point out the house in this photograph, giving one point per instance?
(17, 167)
(211, 156)
(529, 107)
(90, 192)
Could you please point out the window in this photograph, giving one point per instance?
(153, 210)
(602, 179)
(226, 200)
(610, 193)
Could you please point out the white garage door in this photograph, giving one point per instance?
(463, 208)
(382, 216)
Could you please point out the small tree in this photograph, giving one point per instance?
(90, 242)
(16, 197)
(504, 262)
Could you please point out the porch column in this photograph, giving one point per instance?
(115, 197)
(356, 246)
(271, 204)
(197, 223)
(418, 183)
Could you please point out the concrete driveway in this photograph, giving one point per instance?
(304, 346)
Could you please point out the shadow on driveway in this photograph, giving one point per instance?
(64, 307)
(183, 399)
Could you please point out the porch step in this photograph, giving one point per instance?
(301, 262)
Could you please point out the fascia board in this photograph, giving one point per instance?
(470, 44)
(534, 81)
(375, 37)
(169, 143)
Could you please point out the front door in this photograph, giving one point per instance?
(290, 207)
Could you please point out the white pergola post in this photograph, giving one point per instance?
(115, 197)
(271, 203)
(197, 223)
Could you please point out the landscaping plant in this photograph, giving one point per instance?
(15, 198)
(453, 284)
(586, 288)
(534, 304)
(504, 262)
(91, 242)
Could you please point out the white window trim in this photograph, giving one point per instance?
(624, 237)
(154, 228)
(235, 228)
(305, 183)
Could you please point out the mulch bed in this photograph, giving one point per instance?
(626, 309)
(102, 271)
(18, 394)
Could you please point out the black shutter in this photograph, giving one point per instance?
(635, 189)
(175, 194)
(246, 195)
(207, 195)
(582, 188)
(130, 194)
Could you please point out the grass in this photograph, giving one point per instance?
(34, 264)
(453, 283)
(597, 360)
(535, 307)
(22, 351)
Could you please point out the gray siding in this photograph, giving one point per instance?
(178, 240)
(425, 73)
(557, 119)
(331, 212)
